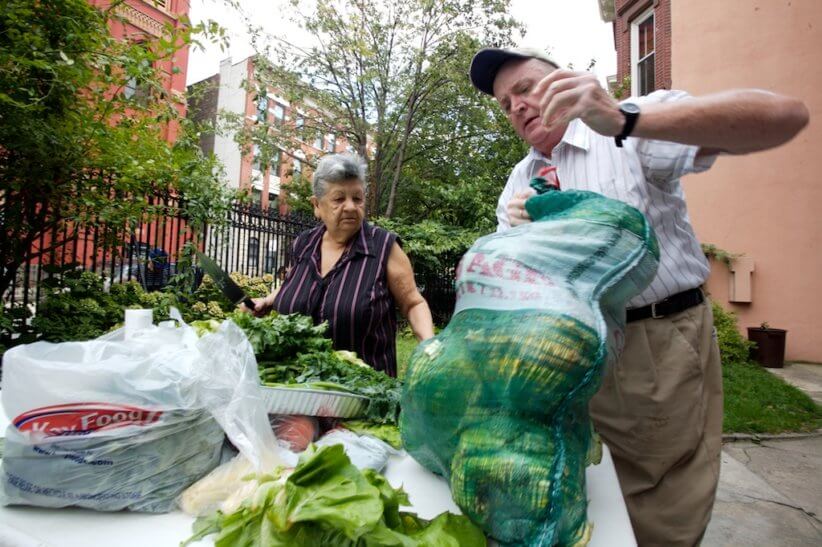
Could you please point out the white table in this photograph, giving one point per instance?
(428, 493)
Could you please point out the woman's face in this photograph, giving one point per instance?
(342, 208)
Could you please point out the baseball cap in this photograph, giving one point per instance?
(487, 62)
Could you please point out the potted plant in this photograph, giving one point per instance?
(769, 345)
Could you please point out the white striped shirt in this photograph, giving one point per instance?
(645, 174)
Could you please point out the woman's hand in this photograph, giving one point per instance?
(262, 306)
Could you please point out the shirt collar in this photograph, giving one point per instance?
(362, 243)
(577, 134)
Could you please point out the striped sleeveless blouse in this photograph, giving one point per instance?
(353, 297)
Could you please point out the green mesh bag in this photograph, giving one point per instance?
(498, 402)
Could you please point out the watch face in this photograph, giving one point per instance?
(630, 108)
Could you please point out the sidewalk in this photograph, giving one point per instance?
(770, 492)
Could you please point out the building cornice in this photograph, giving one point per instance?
(607, 10)
(140, 20)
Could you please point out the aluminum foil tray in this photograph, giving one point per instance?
(313, 402)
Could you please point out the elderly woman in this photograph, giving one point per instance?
(350, 273)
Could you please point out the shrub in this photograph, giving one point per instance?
(732, 346)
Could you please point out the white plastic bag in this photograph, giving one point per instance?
(364, 451)
(113, 424)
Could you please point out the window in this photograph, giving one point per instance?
(299, 124)
(256, 164)
(279, 113)
(262, 109)
(298, 167)
(136, 88)
(276, 159)
(318, 142)
(253, 252)
(643, 50)
(330, 142)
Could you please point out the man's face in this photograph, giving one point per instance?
(512, 89)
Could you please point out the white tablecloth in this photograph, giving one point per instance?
(428, 493)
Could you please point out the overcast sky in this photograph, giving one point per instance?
(571, 29)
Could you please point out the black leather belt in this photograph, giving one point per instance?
(671, 305)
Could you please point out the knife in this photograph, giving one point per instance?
(227, 285)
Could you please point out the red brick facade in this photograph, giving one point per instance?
(626, 12)
(146, 19)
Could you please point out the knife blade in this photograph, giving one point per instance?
(227, 285)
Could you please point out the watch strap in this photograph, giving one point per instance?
(631, 118)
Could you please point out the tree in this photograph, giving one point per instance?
(460, 159)
(377, 73)
(80, 147)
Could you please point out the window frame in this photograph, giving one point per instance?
(330, 143)
(635, 60)
(275, 164)
(278, 120)
(256, 158)
(261, 108)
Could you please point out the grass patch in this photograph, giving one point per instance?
(757, 401)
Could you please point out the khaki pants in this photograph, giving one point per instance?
(659, 410)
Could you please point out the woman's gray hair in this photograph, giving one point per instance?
(337, 168)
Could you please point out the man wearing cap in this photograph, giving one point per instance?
(660, 409)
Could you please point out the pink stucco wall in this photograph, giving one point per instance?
(768, 205)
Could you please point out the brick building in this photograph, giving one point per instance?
(145, 20)
(763, 206)
(228, 91)
(642, 37)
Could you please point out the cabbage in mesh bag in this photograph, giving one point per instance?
(498, 401)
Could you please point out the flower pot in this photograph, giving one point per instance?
(770, 346)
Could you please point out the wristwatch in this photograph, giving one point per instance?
(631, 113)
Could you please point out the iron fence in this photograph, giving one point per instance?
(254, 241)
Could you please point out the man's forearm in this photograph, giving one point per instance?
(736, 122)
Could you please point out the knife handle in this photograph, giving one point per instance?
(249, 304)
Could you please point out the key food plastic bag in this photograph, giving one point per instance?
(498, 401)
(113, 424)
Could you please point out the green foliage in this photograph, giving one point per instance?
(623, 89)
(381, 74)
(757, 401)
(299, 193)
(76, 306)
(455, 177)
(429, 243)
(733, 348)
(209, 302)
(712, 251)
(82, 139)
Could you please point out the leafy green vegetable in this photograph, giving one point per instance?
(327, 501)
(280, 338)
(291, 350)
(386, 432)
(327, 367)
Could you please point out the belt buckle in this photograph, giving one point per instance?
(654, 315)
